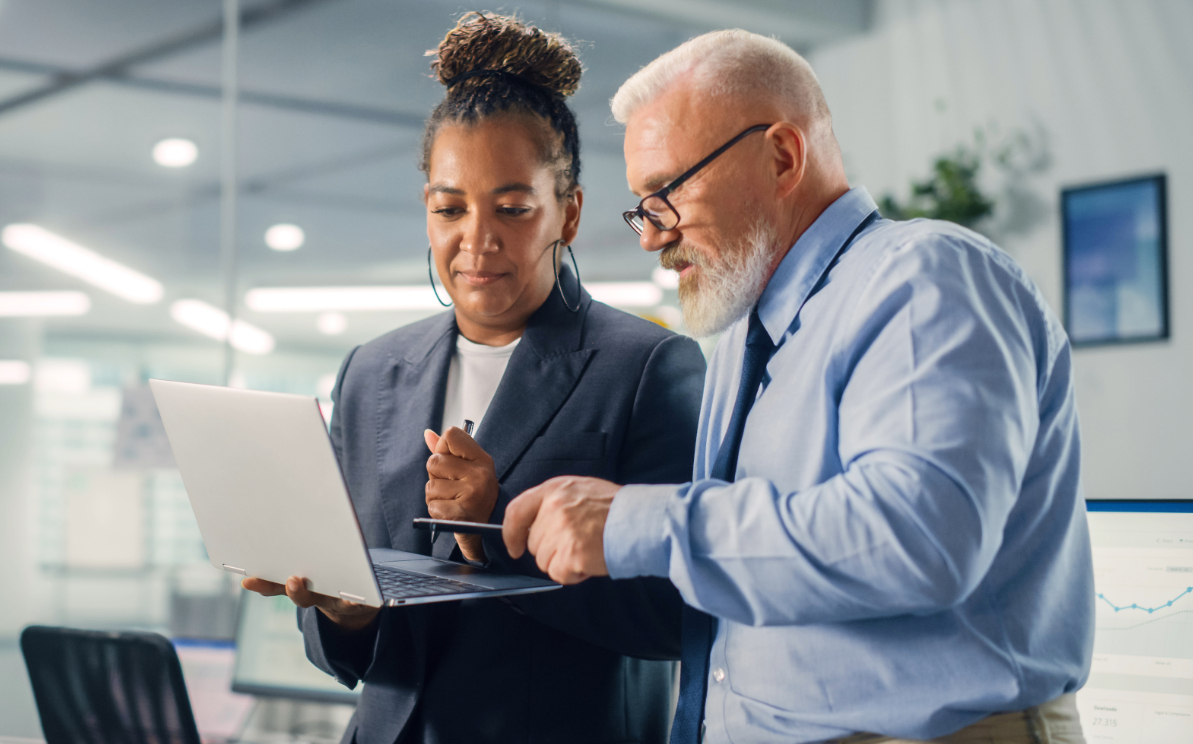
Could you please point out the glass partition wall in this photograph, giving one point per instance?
(166, 183)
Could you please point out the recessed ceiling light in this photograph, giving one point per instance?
(175, 152)
(43, 304)
(332, 324)
(213, 323)
(14, 372)
(285, 237)
(83, 263)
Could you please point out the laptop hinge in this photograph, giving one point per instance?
(352, 597)
(234, 569)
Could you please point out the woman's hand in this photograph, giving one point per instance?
(463, 484)
(348, 615)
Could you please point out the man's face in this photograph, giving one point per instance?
(724, 241)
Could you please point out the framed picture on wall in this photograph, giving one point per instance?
(1115, 247)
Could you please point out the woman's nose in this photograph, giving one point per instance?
(479, 236)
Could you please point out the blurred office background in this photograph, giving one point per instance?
(113, 123)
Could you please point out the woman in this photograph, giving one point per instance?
(557, 384)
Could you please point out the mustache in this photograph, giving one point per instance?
(677, 254)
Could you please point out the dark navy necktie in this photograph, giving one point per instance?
(697, 628)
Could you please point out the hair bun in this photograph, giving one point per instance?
(482, 41)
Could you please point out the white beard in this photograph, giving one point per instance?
(728, 290)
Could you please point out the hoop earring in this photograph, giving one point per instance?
(432, 278)
(555, 266)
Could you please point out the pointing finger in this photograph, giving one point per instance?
(519, 516)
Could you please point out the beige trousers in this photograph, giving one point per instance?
(1054, 722)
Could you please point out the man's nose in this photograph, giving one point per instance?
(653, 239)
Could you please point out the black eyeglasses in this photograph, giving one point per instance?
(658, 210)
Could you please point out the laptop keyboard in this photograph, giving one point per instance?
(396, 584)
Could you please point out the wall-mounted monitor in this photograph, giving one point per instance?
(1115, 244)
(1140, 689)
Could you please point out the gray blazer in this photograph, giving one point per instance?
(598, 393)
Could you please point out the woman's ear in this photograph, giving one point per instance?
(573, 204)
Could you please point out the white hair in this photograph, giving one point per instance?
(728, 63)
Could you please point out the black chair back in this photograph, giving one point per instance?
(107, 688)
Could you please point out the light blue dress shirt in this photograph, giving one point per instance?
(904, 549)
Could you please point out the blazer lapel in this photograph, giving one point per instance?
(409, 400)
(542, 373)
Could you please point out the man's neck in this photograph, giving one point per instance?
(804, 214)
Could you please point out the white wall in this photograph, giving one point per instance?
(1112, 84)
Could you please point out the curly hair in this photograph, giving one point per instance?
(496, 65)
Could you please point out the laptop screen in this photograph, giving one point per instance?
(1140, 689)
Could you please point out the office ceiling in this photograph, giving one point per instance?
(334, 93)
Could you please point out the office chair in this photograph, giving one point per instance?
(107, 688)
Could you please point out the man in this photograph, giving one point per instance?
(885, 528)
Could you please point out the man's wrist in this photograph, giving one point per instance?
(636, 542)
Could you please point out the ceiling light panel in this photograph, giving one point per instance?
(213, 323)
(82, 263)
(15, 372)
(43, 304)
(323, 299)
(626, 294)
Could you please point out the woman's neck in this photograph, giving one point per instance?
(479, 333)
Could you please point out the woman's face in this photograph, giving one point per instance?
(492, 215)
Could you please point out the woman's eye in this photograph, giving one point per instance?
(513, 211)
(447, 211)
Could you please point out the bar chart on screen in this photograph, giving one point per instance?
(1140, 688)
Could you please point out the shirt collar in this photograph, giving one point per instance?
(800, 270)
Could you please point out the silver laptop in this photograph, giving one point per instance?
(271, 502)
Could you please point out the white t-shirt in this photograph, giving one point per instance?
(472, 379)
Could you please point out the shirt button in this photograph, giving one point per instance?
(718, 674)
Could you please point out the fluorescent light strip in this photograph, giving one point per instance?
(420, 297)
(322, 299)
(43, 304)
(14, 372)
(213, 323)
(83, 263)
(626, 294)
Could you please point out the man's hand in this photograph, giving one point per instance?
(463, 484)
(562, 523)
(348, 615)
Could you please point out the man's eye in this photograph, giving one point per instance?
(513, 211)
(447, 211)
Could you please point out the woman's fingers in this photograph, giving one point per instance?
(456, 442)
(431, 438)
(450, 467)
(263, 587)
(296, 590)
